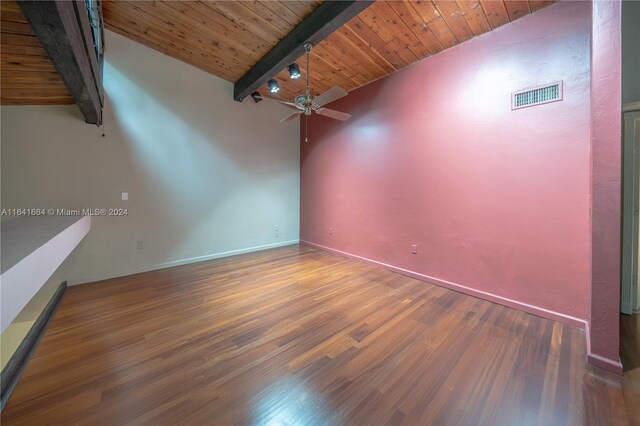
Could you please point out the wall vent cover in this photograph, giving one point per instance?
(537, 95)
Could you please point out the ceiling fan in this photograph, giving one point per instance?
(304, 104)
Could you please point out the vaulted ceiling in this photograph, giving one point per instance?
(27, 76)
(225, 38)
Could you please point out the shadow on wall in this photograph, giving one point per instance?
(195, 171)
(205, 175)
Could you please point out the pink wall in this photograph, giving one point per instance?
(496, 200)
(606, 131)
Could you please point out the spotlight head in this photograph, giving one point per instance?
(273, 86)
(294, 71)
(256, 97)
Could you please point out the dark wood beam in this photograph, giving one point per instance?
(323, 21)
(64, 30)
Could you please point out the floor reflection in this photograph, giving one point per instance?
(288, 402)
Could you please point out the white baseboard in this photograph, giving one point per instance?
(511, 303)
(170, 264)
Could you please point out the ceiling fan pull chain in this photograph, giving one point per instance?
(306, 128)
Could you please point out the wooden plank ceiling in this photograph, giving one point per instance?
(27, 76)
(225, 38)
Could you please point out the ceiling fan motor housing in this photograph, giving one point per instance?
(306, 103)
(302, 99)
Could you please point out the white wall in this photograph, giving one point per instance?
(206, 175)
(630, 51)
(631, 69)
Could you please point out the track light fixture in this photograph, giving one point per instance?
(294, 71)
(273, 86)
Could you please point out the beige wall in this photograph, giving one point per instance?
(631, 69)
(206, 176)
(630, 49)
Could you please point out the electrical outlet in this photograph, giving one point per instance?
(140, 245)
(330, 231)
(125, 196)
(277, 231)
(414, 248)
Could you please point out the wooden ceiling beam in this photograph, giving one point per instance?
(64, 30)
(322, 22)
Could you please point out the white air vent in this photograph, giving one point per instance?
(537, 95)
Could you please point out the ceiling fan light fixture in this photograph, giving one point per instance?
(294, 71)
(306, 103)
(273, 86)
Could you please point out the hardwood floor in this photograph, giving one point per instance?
(630, 356)
(300, 336)
(630, 341)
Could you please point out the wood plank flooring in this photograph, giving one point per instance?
(630, 356)
(296, 335)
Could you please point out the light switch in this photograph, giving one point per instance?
(125, 196)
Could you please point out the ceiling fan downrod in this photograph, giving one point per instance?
(307, 46)
(307, 103)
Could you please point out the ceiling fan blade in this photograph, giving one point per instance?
(333, 94)
(291, 116)
(289, 104)
(332, 113)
